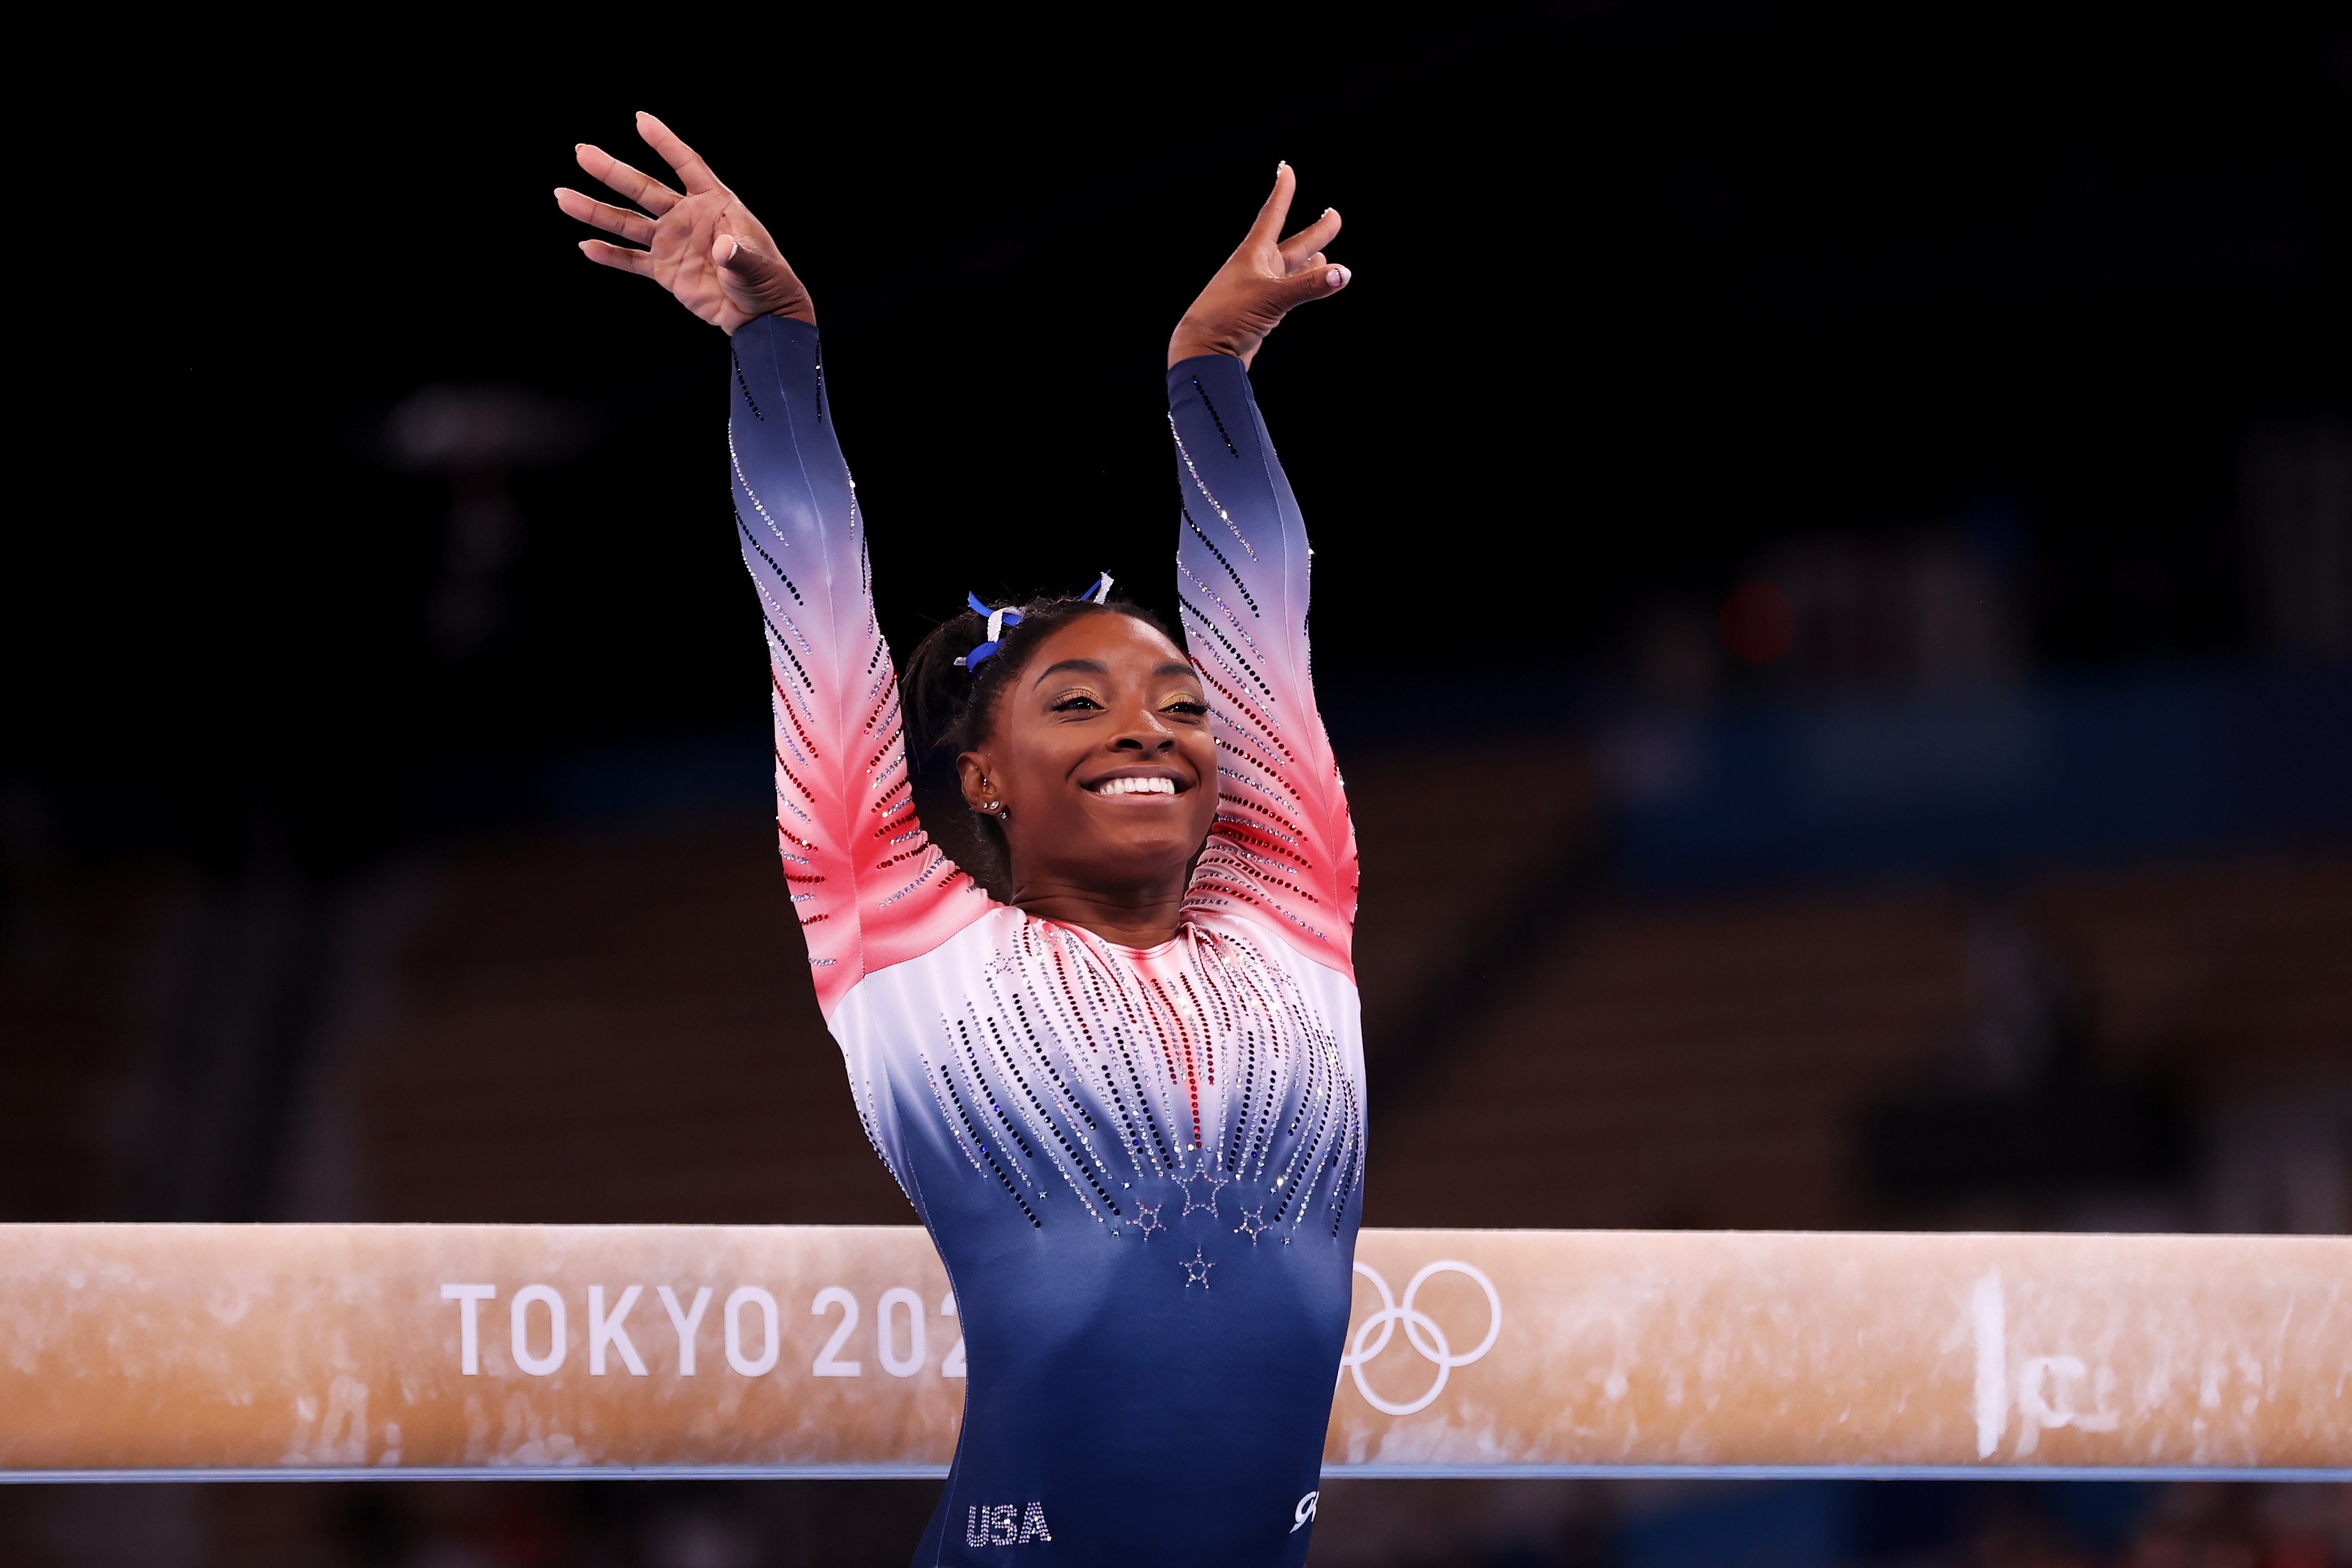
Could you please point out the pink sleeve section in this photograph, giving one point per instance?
(868, 886)
(1283, 851)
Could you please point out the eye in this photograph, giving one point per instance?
(1076, 702)
(1191, 707)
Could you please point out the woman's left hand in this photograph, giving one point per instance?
(1263, 281)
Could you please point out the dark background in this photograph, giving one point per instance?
(1638, 287)
(377, 806)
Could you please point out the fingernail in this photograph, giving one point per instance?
(1336, 277)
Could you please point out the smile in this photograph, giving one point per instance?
(1135, 787)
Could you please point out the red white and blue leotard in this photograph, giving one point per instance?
(1143, 1168)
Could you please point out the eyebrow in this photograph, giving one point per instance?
(1097, 667)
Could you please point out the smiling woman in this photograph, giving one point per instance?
(1080, 702)
(1161, 1018)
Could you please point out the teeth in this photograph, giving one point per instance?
(1137, 787)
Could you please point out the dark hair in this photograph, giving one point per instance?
(952, 709)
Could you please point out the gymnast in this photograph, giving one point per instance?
(1127, 1096)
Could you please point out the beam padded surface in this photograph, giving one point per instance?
(294, 1350)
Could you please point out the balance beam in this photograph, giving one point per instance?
(284, 1351)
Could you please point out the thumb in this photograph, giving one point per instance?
(1315, 283)
(756, 282)
(745, 267)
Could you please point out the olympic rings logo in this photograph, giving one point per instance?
(1420, 1331)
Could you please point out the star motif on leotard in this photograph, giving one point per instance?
(1196, 1270)
(1254, 1224)
(1212, 1181)
(1150, 1220)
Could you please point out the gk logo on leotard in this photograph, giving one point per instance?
(1004, 1524)
(1304, 1514)
(1420, 1331)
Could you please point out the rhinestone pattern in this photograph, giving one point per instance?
(1079, 1076)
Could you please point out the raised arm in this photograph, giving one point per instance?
(868, 886)
(1283, 849)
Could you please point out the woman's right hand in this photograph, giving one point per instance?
(704, 245)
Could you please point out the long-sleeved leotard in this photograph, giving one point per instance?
(1142, 1167)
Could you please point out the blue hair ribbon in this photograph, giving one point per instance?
(999, 619)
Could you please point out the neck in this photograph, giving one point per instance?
(1142, 916)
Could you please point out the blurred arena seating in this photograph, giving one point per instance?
(613, 1026)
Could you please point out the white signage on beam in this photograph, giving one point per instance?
(2045, 1385)
(901, 1342)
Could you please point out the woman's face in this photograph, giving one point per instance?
(1101, 756)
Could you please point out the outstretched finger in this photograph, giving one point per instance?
(1268, 228)
(613, 220)
(639, 187)
(1307, 242)
(640, 262)
(691, 171)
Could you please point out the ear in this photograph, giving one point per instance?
(971, 767)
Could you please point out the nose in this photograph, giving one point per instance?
(1144, 731)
